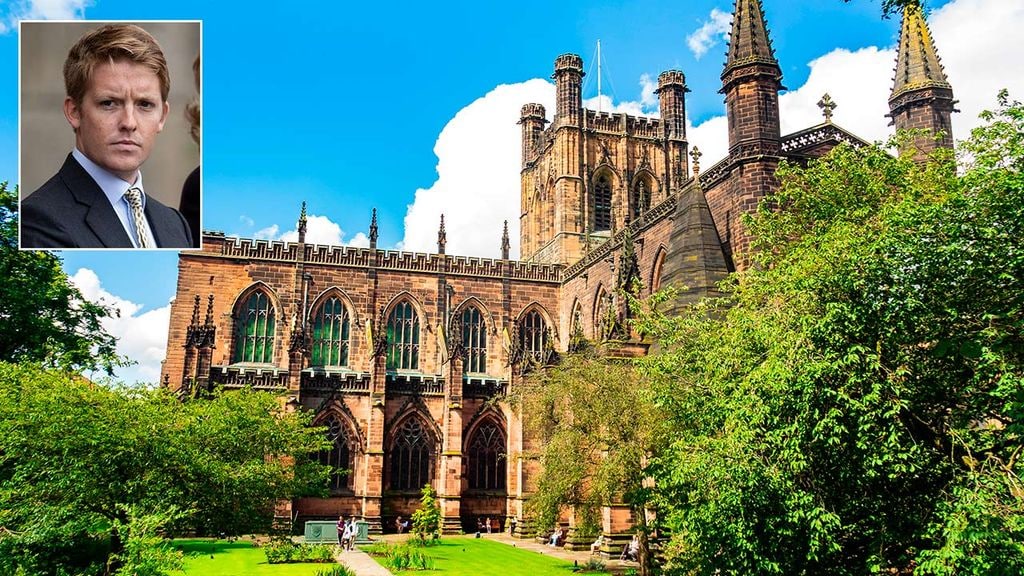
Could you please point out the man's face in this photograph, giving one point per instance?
(119, 117)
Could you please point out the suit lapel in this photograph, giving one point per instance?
(100, 216)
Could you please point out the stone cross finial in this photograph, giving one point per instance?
(827, 105)
(695, 155)
(302, 223)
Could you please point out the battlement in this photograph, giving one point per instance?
(623, 124)
(569, 63)
(532, 111)
(671, 78)
(217, 245)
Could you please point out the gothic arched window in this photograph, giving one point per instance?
(641, 201)
(602, 203)
(338, 456)
(487, 458)
(533, 336)
(330, 334)
(474, 340)
(254, 329)
(411, 455)
(403, 338)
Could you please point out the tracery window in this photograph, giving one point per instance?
(403, 338)
(331, 334)
(411, 455)
(533, 336)
(254, 329)
(487, 458)
(641, 198)
(602, 203)
(474, 340)
(338, 456)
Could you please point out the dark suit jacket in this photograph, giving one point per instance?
(71, 211)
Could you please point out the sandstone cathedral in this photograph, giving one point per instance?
(406, 357)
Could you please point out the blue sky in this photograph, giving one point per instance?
(411, 107)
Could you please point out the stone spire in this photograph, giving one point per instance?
(442, 238)
(749, 42)
(302, 223)
(922, 97)
(917, 64)
(373, 229)
(505, 245)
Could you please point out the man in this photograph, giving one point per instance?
(116, 82)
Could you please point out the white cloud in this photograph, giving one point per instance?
(978, 41)
(246, 221)
(477, 187)
(714, 29)
(648, 85)
(43, 10)
(141, 335)
(319, 230)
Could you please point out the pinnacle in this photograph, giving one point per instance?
(917, 62)
(749, 42)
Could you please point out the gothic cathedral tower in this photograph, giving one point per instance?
(921, 96)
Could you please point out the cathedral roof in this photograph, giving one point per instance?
(917, 63)
(748, 41)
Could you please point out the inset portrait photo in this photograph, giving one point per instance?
(110, 135)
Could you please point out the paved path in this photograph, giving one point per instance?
(361, 563)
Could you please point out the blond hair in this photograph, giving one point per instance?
(108, 44)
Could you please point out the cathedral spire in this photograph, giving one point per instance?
(917, 64)
(922, 97)
(748, 41)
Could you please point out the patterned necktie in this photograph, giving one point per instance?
(134, 198)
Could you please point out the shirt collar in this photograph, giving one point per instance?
(112, 186)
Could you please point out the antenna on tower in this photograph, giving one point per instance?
(598, 74)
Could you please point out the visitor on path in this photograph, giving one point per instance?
(341, 531)
(487, 524)
(350, 533)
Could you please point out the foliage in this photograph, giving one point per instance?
(592, 565)
(406, 557)
(854, 404)
(890, 7)
(43, 317)
(91, 477)
(378, 549)
(336, 570)
(284, 551)
(426, 520)
(597, 426)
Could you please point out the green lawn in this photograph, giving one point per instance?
(236, 559)
(456, 556)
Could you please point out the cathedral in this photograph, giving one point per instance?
(405, 358)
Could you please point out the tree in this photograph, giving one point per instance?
(92, 478)
(43, 317)
(853, 404)
(598, 427)
(890, 7)
(426, 520)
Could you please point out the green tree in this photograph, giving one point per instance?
(426, 520)
(854, 404)
(43, 317)
(92, 477)
(599, 427)
(890, 7)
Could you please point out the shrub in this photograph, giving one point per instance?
(378, 549)
(405, 557)
(336, 570)
(284, 551)
(592, 565)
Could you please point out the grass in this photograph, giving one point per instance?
(458, 556)
(236, 559)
